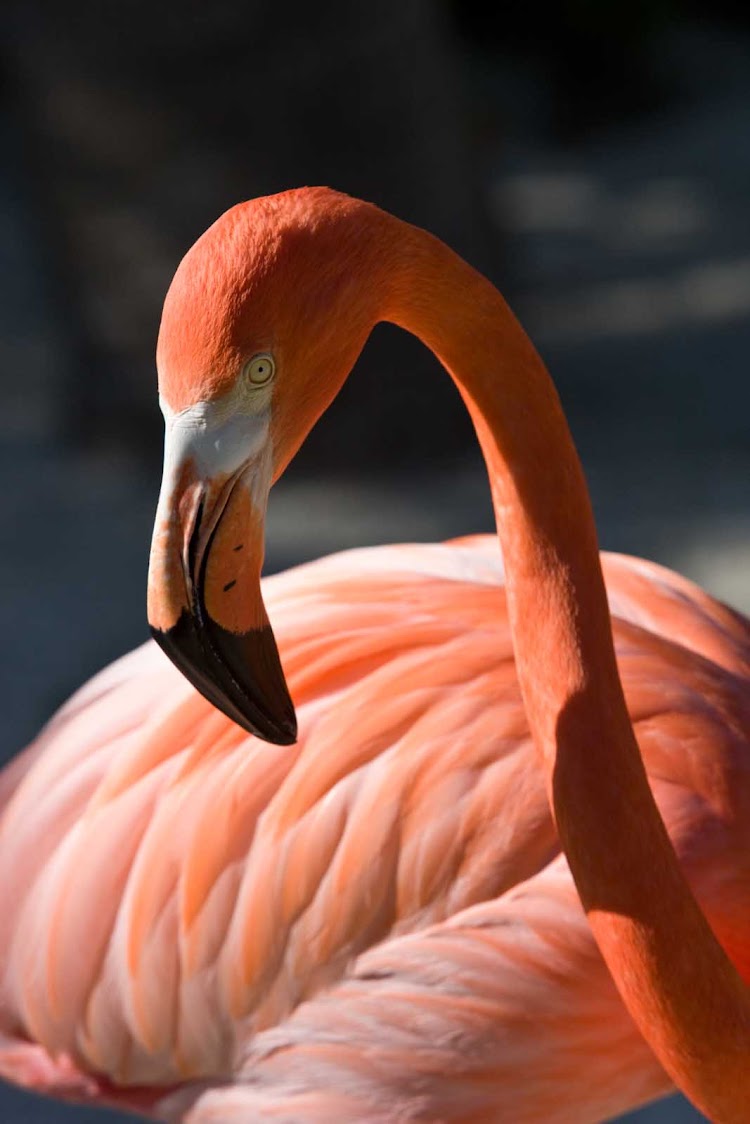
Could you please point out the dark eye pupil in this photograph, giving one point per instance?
(260, 370)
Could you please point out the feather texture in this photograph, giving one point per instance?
(377, 922)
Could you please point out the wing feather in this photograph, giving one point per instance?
(178, 893)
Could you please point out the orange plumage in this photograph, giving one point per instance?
(376, 922)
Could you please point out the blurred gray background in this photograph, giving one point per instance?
(596, 164)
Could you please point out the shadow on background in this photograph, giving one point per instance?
(596, 167)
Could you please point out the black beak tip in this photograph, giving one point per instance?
(284, 734)
(240, 674)
(267, 727)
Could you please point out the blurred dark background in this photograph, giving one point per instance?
(593, 160)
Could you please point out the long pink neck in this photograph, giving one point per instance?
(679, 986)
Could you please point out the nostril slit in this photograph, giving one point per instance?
(229, 585)
(239, 547)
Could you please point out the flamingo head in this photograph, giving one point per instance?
(264, 319)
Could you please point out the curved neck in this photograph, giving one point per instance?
(675, 979)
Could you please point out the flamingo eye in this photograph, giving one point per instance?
(259, 370)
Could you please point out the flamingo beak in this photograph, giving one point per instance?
(205, 606)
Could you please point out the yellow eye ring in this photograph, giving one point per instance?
(260, 369)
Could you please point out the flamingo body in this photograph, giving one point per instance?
(376, 923)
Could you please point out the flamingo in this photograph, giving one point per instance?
(495, 866)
